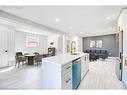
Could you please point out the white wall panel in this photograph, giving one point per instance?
(20, 43)
(7, 45)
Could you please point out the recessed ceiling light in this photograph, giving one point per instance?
(57, 19)
(70, 27)
(108, 17)
(109, 28)
(28, 28)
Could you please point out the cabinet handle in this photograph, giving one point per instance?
(68, 67)
(68, 80)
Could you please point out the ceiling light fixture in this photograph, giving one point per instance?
(110, 28)
(70, 27)
(57, 20)
(108, 17)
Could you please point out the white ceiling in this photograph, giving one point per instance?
(81, 20)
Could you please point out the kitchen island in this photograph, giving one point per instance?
(57, 72)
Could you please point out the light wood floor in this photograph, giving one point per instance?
(101, 75)
(26, 77)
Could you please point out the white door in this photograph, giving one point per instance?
(3, 49)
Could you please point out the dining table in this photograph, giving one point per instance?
(30, 59)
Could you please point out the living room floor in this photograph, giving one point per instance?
(101, 75)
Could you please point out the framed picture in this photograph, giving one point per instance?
(99, 43)
(32, 41)
(92, 43)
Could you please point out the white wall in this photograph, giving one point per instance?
(53, 38)
(79, 43)
(60, 42)
(78, 40)
(20, 43)
(11, 46)
(10, 43)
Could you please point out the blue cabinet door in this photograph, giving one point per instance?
(79, 71)
(76, 74)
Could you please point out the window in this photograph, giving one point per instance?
(32, 41)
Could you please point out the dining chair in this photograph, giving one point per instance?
(26, 57)
(36, 53)
(38, 59)
(19, 58)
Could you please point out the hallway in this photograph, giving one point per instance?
(101, 75)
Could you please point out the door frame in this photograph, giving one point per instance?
(121, 54)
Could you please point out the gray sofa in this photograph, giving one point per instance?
(96, 54)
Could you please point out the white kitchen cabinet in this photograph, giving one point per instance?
(66, 68)
(84, 65)
(67, 82)
(56, 76)
(56, 71)
(67, 76)
(117, 68)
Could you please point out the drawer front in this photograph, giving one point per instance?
(67, 81)
(66, 68)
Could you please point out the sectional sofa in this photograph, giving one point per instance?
(96, 54)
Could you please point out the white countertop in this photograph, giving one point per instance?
(62, 59)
